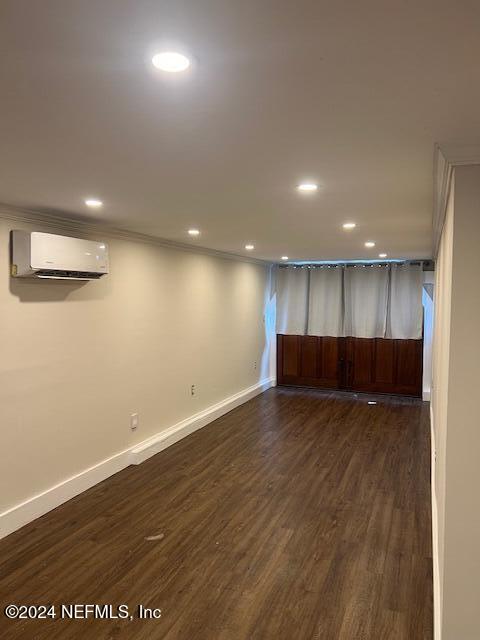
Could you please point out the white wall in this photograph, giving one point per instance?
(439, 404)
(455, 409)
(78, 359)
(461, 596)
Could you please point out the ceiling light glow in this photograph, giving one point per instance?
(93, 202)
(369, 244)
(307, 187)
(249, 247)
(349, 225)
(170, 61)
(284, 257)
(382, 255)
(193, 232)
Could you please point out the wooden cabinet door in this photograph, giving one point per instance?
(309, 361)
(370, 365)
(380, 365)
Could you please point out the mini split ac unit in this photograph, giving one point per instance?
(45, 255)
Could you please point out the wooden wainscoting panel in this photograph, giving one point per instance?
(361, 357)
(330, 357)
(309, 361)
(384, 361)
(409, 366)
(291, 356)
(308, 356)
(370, 365)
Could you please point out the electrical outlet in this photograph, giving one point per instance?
(192, 390)
(255, 365)
(134, 421)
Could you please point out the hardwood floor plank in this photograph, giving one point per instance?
(300, 515)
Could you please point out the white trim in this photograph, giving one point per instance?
(83, 227)
(445, 158)
(426, 395)
(460, 154)
(164, 439)
(36, 506)
(437, 609)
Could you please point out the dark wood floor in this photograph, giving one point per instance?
(300, 515)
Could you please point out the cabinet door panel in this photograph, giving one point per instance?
(384, 361)
(362, 361)
(330, 355)
(308, 367)
(371, 365)
(291, 355)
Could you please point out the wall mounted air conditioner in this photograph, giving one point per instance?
(45, 255)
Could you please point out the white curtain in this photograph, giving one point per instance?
(325, 309)
(292, 300)
(360, 301)
(405, 316)
(366, 299)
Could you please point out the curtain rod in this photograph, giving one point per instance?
(427, 265)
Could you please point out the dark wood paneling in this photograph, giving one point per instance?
(297, 516)
(308, 361)
(384, 361)
(330, 357)
(291, 359)
(371, 365)
(361, 355)
(407, 361)
(308, 346)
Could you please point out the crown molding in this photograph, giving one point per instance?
(459, 154)
(447, 156)
(64, 223)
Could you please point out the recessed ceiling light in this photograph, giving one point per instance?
(193, 232)
(170, 61)
(349, 225)
(382, 255)
(369, 244)
(372, 402)
(93, 202)
(284, 257)
(249, 247)
(307, 187)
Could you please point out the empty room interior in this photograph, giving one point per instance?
(239, 343)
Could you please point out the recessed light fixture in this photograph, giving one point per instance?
(372, 402)
(170, 61)
(369, 244)
(284, 257)
(307, 187)
(349, 225)
(93, 202)
(193, 232)
(249, 247)
(382, 255)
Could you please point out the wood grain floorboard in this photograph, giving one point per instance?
(301, 515)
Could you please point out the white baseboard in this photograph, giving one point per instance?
(437, 608)
(426, 396)
(36, 506)
(165, 438)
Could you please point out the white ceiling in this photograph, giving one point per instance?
(351, 94)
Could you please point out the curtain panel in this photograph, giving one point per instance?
(366, 298)
(292, 301)
(362, 301)
(405, 311)
(325, 308)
